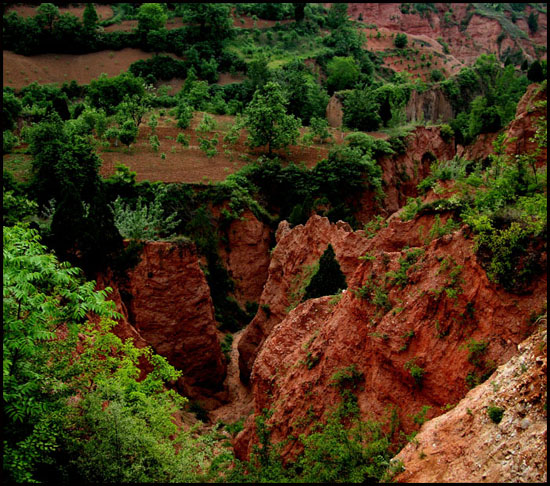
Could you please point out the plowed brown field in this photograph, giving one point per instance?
(190, 164)
(19, 71)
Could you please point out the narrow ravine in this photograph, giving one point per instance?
(240, 396)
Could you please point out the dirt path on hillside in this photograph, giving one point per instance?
(240, 396)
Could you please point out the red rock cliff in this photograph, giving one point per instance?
(167, 303)
(296, 251)
(480, 35)
(446, 302)
(519, 131)
(246, 256)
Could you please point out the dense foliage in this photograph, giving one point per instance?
(74, 409)
(328, 279)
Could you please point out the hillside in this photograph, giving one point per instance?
(275, 242)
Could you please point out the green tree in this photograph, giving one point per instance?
(337, 15)
(401, 40)
(134, 107)
(11, 107)
(328, 279)
(437, 75)
(342, 72)
(151, 16)
(47, 14)
(128, 132)
(319, 129)
(306, 97)
(108, 93)
(533, 22)
(75, 409)
(184, 114)
(90, 17)
(208, 23)
(535, 73)
(9, 140)
(267, 121)
(257, 71)
(361, 110)
(144, 221)
(299, 11)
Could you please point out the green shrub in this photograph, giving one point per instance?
(226, 346)
(411, 209)
(183, 139)
(154, 142)
(475, 350)
(376, 293)
(349, 376)
(437, 75)
(405, 262)
(184, 114)
(416, 371)
(495, 413)
(401, 40)
(9, 140)
(144, 221)
(447, 133)
(235, 427)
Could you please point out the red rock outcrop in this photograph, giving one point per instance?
(335, 111)
(518, 133)
(481, 35)
(296, 251)
(402, 173)
(465, 446)
(431, 105)
(446, 302)
(167, 304)
(246, 256)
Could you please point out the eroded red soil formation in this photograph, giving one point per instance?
(297, 250)
(480, 36)
(246, 256)
(426, 325)
(518, 133)
(465, 445)
(403, 172)
(167, 304)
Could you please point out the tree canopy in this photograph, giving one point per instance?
(328, 279)
(267, 121)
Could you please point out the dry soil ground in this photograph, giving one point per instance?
(190, 164)
(19, 71)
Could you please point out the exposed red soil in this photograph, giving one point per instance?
(122, 26)
(239, 396)
(355, 331)
(466, 446)
(479, 37)
(296, 250)
(246, 255)
(171, 310)
(518, 133)
(29, 10)
(426, 46)
(19, 71)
